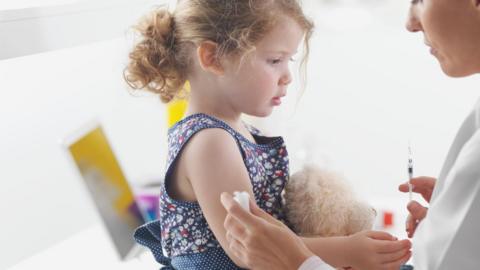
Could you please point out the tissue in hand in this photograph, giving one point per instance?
(242, 198)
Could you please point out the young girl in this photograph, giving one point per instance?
(235, 54)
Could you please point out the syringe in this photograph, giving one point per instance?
(410, 171)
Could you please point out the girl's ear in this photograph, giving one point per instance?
(207, 56)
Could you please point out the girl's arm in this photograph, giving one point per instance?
(363, 250)
(259, 237)
(213, 164)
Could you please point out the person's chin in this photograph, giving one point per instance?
(455, 71)
(262, 113)
(265, 114)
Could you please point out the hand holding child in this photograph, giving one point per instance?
(261, 241)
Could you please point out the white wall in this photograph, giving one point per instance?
(44, 98)
(21, 4)
(47, 96)
(372, 87)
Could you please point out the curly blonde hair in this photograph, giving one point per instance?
(160, 62)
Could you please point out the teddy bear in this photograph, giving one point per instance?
(319, 202)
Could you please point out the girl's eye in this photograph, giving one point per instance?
(279, 60)
(415, 2)
(274, 61)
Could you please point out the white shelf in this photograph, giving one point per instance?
(39, 29)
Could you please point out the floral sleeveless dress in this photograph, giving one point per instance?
(181, 238)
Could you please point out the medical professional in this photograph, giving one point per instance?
(446, 234)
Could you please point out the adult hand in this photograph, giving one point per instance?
(424, 186)
(261, 241)
(417, 213)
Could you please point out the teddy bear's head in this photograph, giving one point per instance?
(319, 202)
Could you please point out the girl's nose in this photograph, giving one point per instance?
(286, 79)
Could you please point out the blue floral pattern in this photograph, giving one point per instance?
(184, 229)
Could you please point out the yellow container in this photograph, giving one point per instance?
(177, 107)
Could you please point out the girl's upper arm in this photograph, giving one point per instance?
(214, 164)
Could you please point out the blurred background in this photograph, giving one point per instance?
(372, 88)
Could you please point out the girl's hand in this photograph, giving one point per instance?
(261, 241)
(376, 250)
(424, 186)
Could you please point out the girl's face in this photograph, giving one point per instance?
(452, 29)
(259, 83)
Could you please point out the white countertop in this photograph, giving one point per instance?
(88, 249)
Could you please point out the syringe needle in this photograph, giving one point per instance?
(410, 171)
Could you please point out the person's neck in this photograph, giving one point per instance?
(208, 100)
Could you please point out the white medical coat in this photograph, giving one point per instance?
(449, 236)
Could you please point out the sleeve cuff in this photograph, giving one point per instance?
(315, 263)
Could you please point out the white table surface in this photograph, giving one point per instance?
(88, 249)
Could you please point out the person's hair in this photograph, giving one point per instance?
(160, 62)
